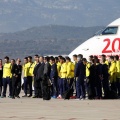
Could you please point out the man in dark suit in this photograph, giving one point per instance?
(16, 78)
(46, 81)
(40, 76)
(36, 80)
(80, 75)
(53, 77)
(47, 67)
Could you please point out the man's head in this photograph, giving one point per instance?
(6, 59)
(67, 59)
(61, 60)
(79, 57)
(12, 61)
(46, 59)
(59, 57)
(90, 58)
(56, 60)
(116, 58)
(102, 60)
(29, 58)
(18, 61)
(52, 60)
(75, 58)
(36, 57)
(111, 58)
(25, 60)
(84, 61)
(96, 60)
(41, 59)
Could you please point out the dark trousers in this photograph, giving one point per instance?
(28, 85)
(91, 90)
(98, 89)
(54, 87)
(105, 85)
(18, 89)
(5, 82)
(16, 86)
(70, 82)
(62, 85)
(118, 86)
(58, 84)
(38, 88)
(25, 85)
(80, 88)
(29, 81)
(113, 86)
(1, 86)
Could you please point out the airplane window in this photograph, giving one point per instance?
(110, 30)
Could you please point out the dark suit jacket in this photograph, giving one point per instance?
(40, 72)
(16, 69)
(47, 69)
(54, 73)
(80, 70)
(36, 69)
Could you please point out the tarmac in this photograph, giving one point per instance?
(58, 109)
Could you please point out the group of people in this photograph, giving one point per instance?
(53, 76)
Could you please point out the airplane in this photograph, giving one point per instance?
(106, 41)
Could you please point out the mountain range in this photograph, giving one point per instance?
(44, 40)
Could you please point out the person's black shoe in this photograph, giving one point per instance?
(3, 96)
(24, 96)
(34, 97)
(13, 97)
(18, 96)
(29, 95)
(39, 96)
(10, 96)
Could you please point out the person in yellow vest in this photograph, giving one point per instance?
(62, 80)
(75, 62)
(31, 66)
(70, 71)
(116, 58)
(25, 74)
(112, 72)
(7, 75)
(87, 64)
(58, 65)
(35, 63)
(58, 71)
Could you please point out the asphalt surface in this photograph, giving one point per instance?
(55, 109)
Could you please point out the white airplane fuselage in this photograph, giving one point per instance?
(107, 42)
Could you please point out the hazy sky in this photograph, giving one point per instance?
(18, 15)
